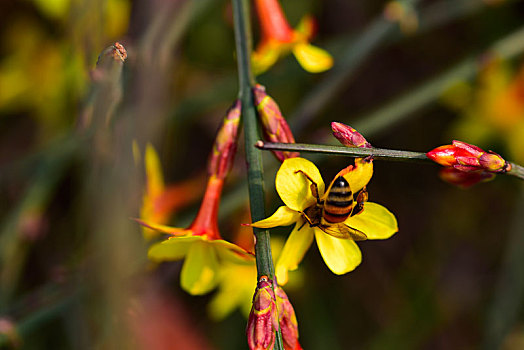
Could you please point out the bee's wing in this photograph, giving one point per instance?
(344, 231)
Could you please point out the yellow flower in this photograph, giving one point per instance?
(279, 39)
(293, 183)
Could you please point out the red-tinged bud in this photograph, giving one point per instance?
(464, 179)
(348, 136)
(263, 318)
(287, 320)
(465, 157)
(224, 149)
(275, 126)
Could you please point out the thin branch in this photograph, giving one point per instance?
(378, 153)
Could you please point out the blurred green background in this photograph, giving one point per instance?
(73, 267)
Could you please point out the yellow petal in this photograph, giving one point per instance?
(232, 253)
(293, 252)
(163, 228)
(282, 217)
(340, 255)
(360, 175)
(293, 187)
(264, 57)
(199, 273)
(375, 221)
(172, 249)
(312, 58)
(154, 177)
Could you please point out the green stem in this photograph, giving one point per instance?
(253, 155)
(255, 174)
(377, 153)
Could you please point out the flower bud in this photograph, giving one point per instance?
(275, 126)
(263, 318)
(465, 157)
(287, 320)
(224, 148)
(348, 136)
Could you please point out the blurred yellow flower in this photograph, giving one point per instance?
(279, 39)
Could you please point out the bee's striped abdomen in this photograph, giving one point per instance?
(339, 201)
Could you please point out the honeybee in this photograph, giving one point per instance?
(336, 205)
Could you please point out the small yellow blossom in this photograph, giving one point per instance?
(279, 39)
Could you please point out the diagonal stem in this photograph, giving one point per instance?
(377, 153)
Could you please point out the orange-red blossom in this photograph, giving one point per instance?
(219, 163)
(201, 244)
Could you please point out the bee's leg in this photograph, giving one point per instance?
(309, 221)
(361, 198)
(314, 186)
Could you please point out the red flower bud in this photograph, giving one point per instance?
(225, 146)
(263, 318)
(287, 320)
(348, 136)
(465, 157)
(275, 126)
